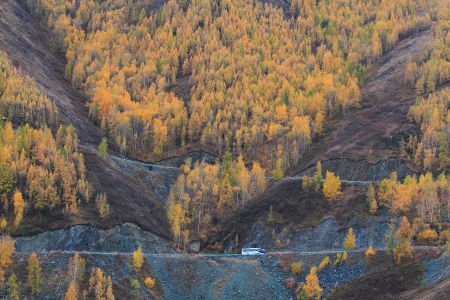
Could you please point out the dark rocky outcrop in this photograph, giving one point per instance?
(195, 156)
(326, 235)
(362, 170)
(123, 238)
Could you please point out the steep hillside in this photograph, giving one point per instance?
(374, 131)
(277, 124)
(27, 45)
(347, 147)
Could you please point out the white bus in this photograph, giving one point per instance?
(253, 251)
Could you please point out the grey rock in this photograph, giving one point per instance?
(122, 238)
(194, 246)
(362, 170)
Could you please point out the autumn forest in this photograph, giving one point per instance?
(217, 125)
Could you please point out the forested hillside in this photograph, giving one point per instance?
(252, 80)
(224, 149)
(40, 172)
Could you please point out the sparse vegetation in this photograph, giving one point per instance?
(250, 91)
(46, 173)
(426, 197)
(21, 101)
(427, 235)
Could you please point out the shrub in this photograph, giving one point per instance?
(403, 252)
(444, 236)
(149, 282)
(278, 243)
(301, 292)
(296, 267)
(3, 224)
(103, 147)
(135, 285)
(290, 283)
(427, 235)
(325, 262)
(102, 205)
(370, 253)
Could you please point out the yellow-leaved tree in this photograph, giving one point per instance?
(404, 251)
(34, 274)
(19, 206)
(312, 287)
(349, 241)
(373, 205)
(138, 259)
(71, 293)
(331, 186)
(370, 252)
(6, 254)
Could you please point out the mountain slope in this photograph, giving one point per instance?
(371, 131)
(26, 44)
(367, 133)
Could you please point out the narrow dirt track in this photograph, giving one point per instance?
(368, 132)
(276, 253)
(26, 43)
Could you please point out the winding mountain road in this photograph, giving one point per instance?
(218, 255)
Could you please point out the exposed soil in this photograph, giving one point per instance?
(130, 201)
(437, 292)
(369, 132)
